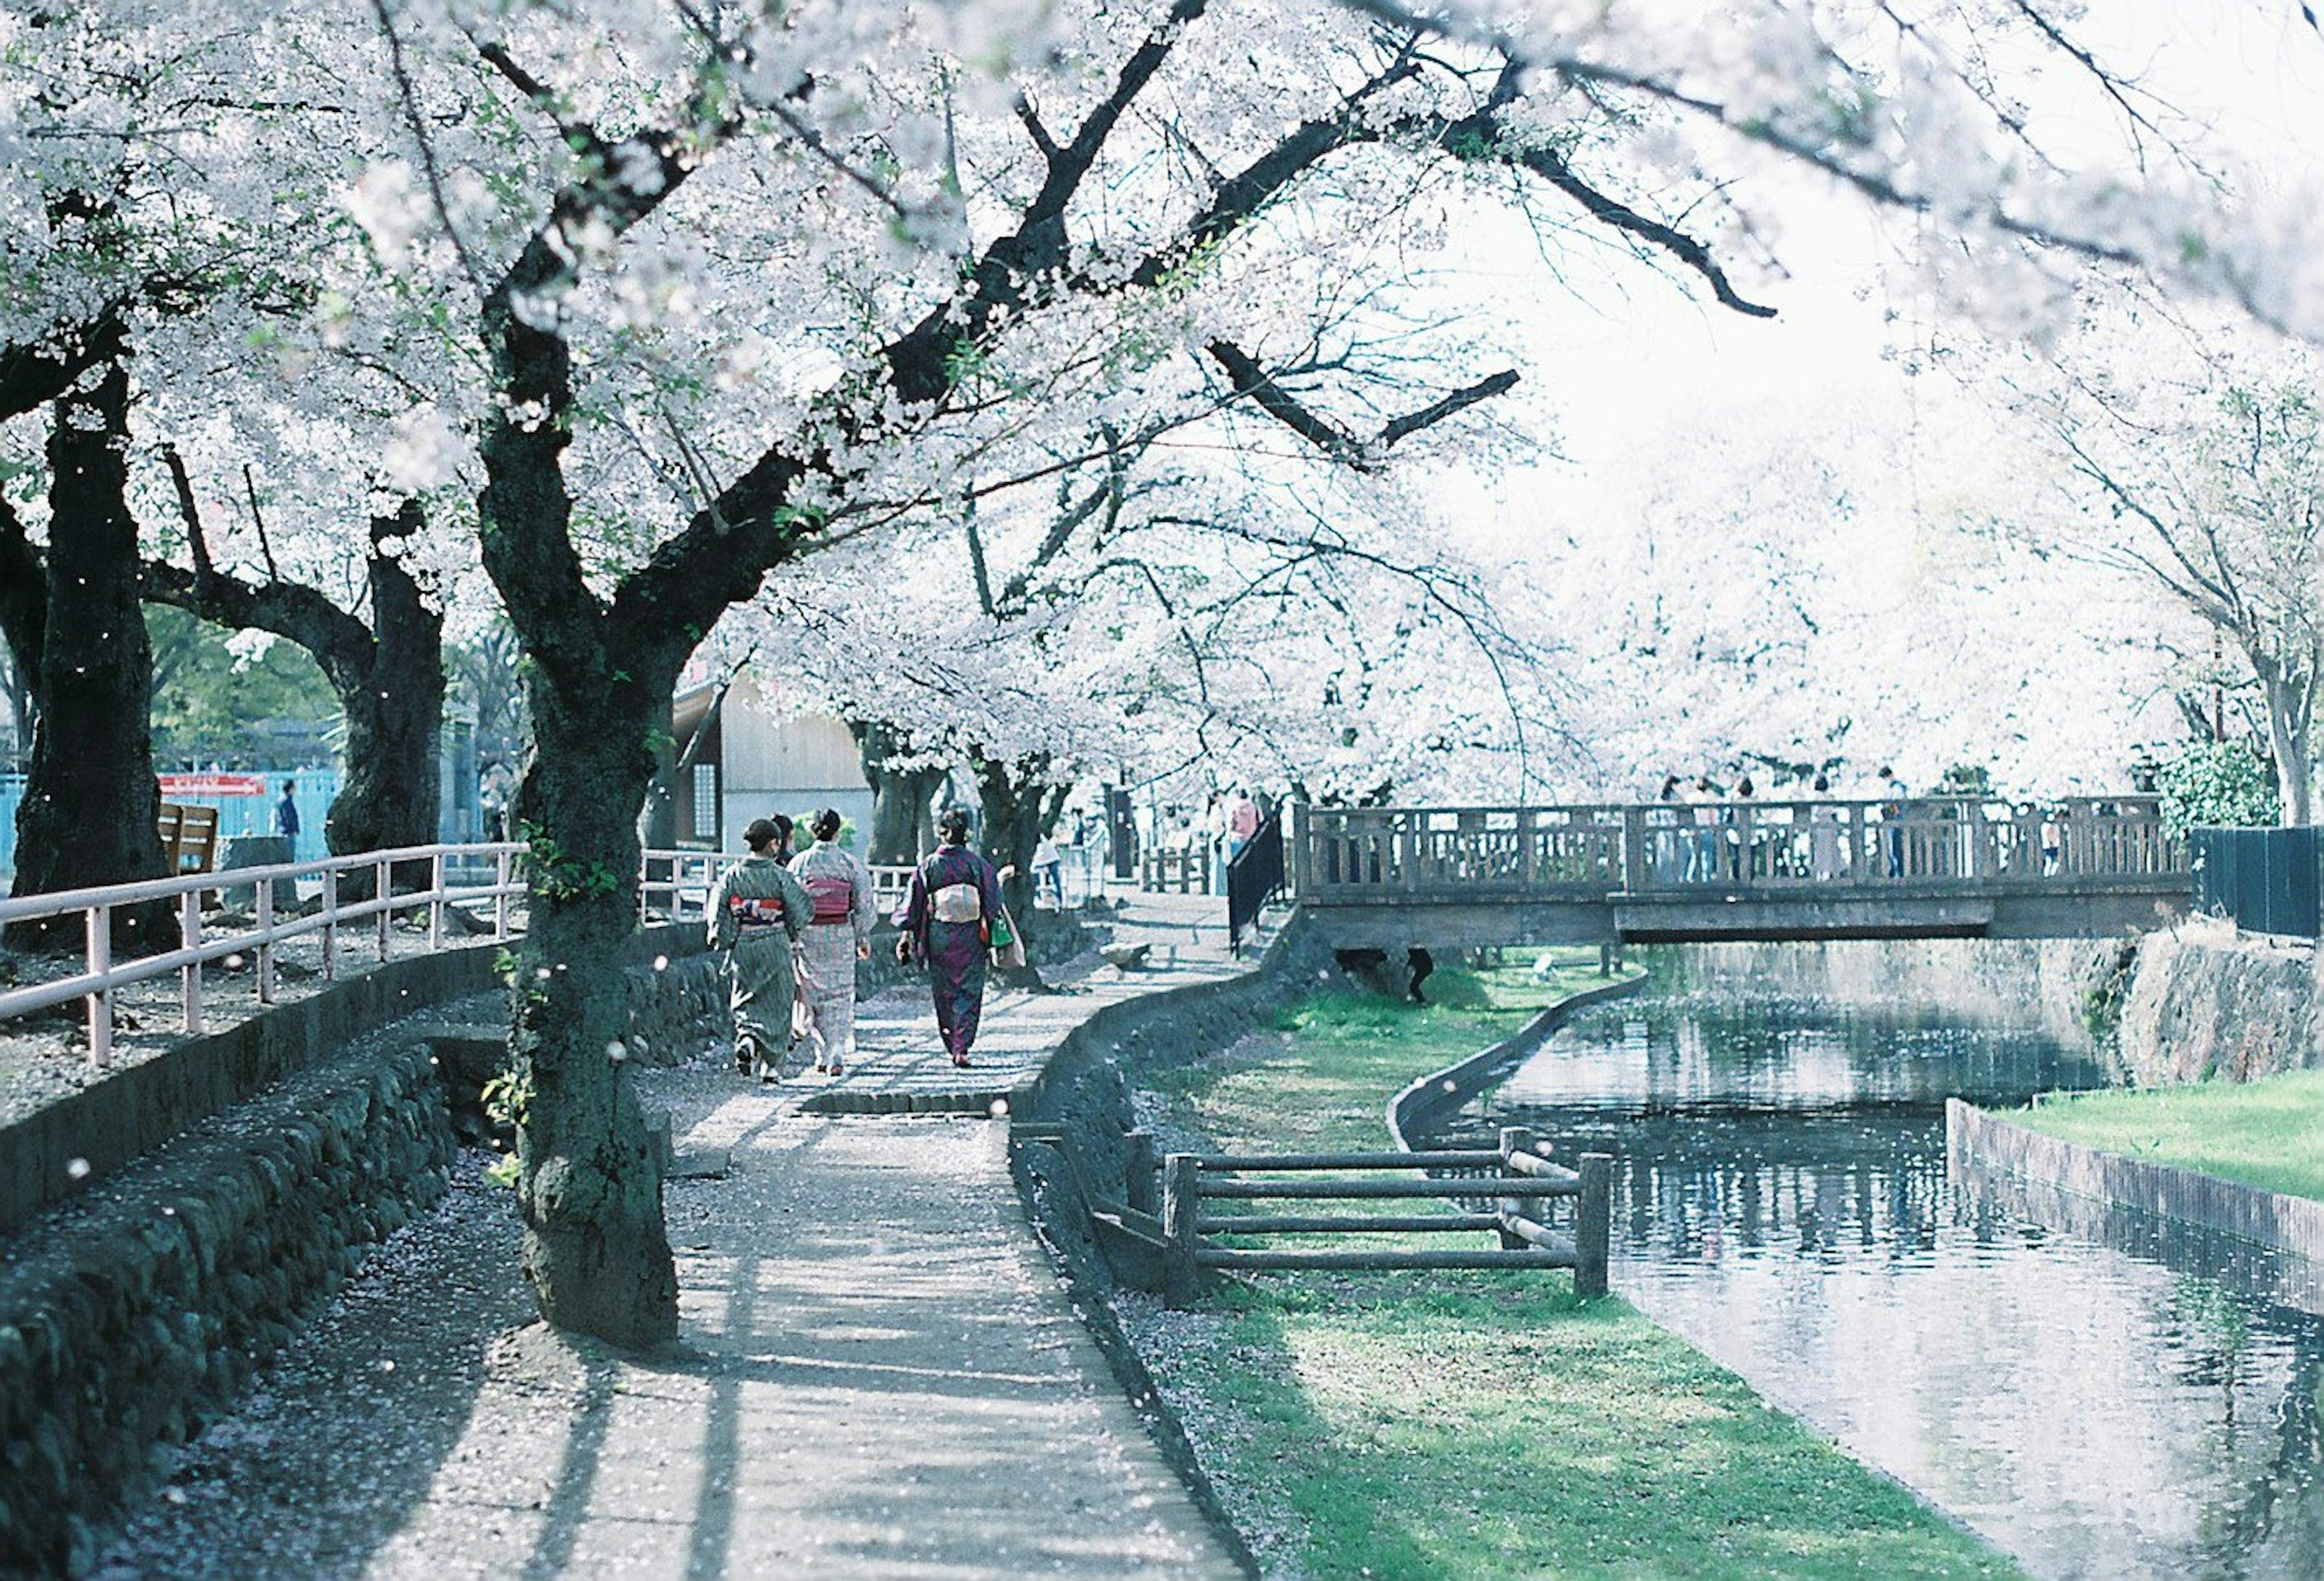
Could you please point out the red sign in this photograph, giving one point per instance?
(212, 785)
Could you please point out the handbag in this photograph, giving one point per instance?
(1008, 944)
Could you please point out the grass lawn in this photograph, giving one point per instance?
(1480, 1426)
(2268, 1133)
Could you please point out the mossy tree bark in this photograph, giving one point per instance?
(91, 802)
(596, 1252)
(1020, 803)
(903, 819)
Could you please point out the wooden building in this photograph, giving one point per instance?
(739, 753)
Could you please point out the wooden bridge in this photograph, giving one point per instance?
(1389, 878)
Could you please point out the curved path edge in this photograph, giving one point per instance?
(1429, 1098)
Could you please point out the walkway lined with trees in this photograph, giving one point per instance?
(878, 1371)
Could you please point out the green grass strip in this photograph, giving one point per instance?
(2268, 1133)
(1456, 1426)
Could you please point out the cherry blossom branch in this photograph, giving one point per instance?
(1363, 455)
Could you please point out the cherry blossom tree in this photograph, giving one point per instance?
(712, 289)
(2192, 456)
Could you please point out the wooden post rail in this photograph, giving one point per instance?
(1522, 1177)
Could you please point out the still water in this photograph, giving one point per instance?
(1781, 1201)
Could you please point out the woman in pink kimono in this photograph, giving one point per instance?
(838, 935)
(955, 893)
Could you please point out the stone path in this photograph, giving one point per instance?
(878, 1376)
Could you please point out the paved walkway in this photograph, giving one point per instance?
(880, 1376)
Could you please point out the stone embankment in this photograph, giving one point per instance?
(169, 1227)
(2190, 1003)
(2203, 1003)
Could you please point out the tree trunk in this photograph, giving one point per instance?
(91, 804)
(2287, 730)
(394, 706)
(1020, 806)
(903, 820)
(594, 1249)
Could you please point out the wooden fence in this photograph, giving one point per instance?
(1185, 871)
(1514, 1180)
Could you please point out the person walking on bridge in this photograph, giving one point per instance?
(838, 935)
(947, 923)
(756, 909)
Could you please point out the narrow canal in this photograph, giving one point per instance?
(1781, 1200)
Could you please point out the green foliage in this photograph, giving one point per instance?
(209, 707)
(804, 822)
(508, 1099)
(2216, 781)
(562, 878)
(508, 1102)
(2268, 1134)
(1490, 1426)
(1966, 779)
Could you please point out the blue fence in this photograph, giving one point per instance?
(311, 792)
(2267, 880)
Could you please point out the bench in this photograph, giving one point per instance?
(189, 838)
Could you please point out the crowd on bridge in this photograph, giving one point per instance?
(1706, 832)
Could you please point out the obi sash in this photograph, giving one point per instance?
(753, 915)
(833, 896)
(957, 903)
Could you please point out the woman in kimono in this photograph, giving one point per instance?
(838, 935)
(955, 893)
(757, 910)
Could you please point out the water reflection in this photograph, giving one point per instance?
(1781, 1200)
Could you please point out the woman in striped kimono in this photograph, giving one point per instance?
(837, 936)
(756, 910)
(955, 894)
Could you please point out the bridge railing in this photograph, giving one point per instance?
(1590, 851)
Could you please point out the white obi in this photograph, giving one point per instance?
(957, 903)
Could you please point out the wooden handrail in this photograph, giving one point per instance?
(1936, 844)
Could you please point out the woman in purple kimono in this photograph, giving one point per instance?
(955, 893)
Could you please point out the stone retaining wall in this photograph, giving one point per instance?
(131, 1313)
(2204, 1004)
(1980, 1143)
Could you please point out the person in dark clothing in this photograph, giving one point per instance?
(956, 894)
(286, 812)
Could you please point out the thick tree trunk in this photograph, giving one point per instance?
(1020, 805)
(388, 677)
(903, 819)
(91, 804)
(594, 1249)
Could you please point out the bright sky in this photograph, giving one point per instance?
(1629, 365)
